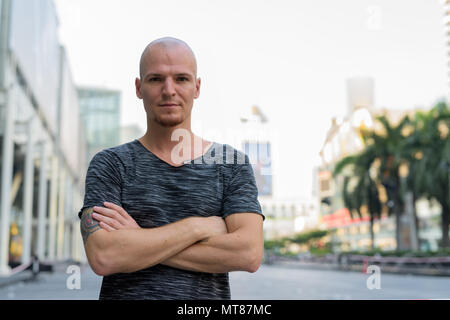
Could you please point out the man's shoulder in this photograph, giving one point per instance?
(120, 152)
(231, 155)
(123, 148)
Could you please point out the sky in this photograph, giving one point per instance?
(290, 58)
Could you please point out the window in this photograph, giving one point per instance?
(325, 185)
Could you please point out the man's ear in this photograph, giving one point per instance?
(197, 88)
(137, 83)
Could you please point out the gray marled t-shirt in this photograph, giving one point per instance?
(156, 193)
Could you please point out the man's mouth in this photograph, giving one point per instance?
(168, 105)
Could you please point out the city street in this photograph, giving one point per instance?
(269, 282)
(330, 120)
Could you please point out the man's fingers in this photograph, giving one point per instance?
(106, 220)
(110, 213)
(117, 208)
(106, 227)
(122, 219)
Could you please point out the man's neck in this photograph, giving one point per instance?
(158, 140)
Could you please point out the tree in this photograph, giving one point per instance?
(377, 166)
(423, 146)
(433, 164)
(413, 154)
(389, 150)
(359, 187)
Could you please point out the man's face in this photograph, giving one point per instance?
(168, 84)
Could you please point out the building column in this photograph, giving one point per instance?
(28, 193)
(78, 241)
(68, 225)
(74, 249)
(53, 209)
(7, 176)
(42, 203)
(60, 216)
(8, 131)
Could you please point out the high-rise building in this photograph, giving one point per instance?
(284, 216)
(258, 148)
(446, 6)
(41, 140)
(100, 113)
(360, 94)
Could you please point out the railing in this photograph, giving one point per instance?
(33, 265)
(430, 264)
(347, 262)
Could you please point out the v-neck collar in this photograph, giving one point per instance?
(170, 165)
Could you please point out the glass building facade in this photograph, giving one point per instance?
(100, 113)
(41, 140)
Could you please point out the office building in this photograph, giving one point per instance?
(100, 113)
(284, 216)
(42, 141)
(446, 9)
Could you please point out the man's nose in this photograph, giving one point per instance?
(169, 87)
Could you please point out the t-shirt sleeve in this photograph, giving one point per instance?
(103, 181)
(241, 195)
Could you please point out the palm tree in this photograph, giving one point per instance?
(389, 149)
(382, 155)
(413, 153)
(425, 150)
(359, 187)
(433, 165)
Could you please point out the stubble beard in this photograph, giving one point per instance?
(168, 120)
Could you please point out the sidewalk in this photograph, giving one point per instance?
(16, 278)
(56, 285)
(24, 273)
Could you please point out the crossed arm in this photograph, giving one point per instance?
(115, 243)
(238, 250)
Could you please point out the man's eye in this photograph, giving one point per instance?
(183, 79)
(154, 79)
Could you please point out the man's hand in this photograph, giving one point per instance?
(114, 217)
(215, 226)
(241, 249)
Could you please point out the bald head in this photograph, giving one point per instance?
(166, 43)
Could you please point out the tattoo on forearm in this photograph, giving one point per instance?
(88, 225)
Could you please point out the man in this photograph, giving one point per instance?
(164, 222)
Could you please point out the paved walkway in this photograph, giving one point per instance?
(269, 282)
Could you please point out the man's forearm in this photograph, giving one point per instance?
(130, 250)
(219, 254)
